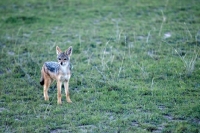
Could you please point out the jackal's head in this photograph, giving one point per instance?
(63, 57)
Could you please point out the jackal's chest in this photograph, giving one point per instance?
(64, 74)
(64, 78)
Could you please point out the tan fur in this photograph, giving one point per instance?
(59, 71)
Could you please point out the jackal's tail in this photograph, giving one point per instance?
(42, 77)
(42, 81)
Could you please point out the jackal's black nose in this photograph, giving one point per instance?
(61, 63)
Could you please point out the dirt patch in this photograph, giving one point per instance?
(3, 109)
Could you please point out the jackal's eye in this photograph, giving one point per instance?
(65, 59)
(59, 58)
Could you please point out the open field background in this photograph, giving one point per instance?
(136, 65)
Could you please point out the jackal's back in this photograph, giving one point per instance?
(49, 68)
(52, 66)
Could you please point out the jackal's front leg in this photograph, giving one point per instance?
(66, 84)
(59, 85)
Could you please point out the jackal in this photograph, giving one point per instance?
(59, 71)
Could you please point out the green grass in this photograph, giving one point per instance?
(136, 65)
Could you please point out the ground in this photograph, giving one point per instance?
(135, 65)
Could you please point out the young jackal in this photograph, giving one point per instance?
(59, 71)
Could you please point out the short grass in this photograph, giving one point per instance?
(136, 65)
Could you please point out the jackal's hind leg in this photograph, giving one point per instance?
(47, 83)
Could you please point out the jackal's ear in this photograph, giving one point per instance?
(58, 51)
(69, 51)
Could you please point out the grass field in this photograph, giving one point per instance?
(136, 65)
